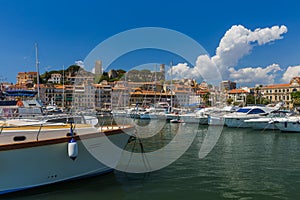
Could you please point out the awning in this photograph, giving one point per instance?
(20, 93)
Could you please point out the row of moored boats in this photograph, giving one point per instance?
(256, 117)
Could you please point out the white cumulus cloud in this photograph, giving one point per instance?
(260, 75)
(290, 73)
(237, 42)
(204, 67)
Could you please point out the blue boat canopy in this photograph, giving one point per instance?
(20, 93)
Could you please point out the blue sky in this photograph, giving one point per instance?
(66, 31)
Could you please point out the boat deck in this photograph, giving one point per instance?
(34, 133)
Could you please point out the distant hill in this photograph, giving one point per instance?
(134, 75)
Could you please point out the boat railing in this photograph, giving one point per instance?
(13, 126)
(37, 125)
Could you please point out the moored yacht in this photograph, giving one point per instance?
(199, 116)
(35, 153)
(236, 119)
(288, 124)
(216, 117)
(267, 122)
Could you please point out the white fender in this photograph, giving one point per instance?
(72, 149)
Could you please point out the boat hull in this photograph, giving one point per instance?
(236, 123)
(216, 120)
(262, 126)
(195, 119)
(33, 164)
(262, 123)
(288, 126)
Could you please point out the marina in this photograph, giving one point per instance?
(244, 164)
(131, 141)
(157, 100)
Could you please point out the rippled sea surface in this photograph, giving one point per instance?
(244, 164)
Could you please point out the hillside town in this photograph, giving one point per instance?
(102, 91)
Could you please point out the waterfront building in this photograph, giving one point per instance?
(120, 94)
(278, 92)
(60, 95)
(239, 96)
(24, 78)
(147, 93)
(184, 94)
(103, 96)
(282, 92)
(83, 97)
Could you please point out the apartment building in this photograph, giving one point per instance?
(24, 78)
(281, 92)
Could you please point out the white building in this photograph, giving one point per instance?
(55, 78)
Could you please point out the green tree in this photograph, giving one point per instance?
(295, 96)
(121, 74)
(104, 77)
(41, 81)
(265, 101)
(250, 99)
(73, 69)
(206, 98)
(229, 101)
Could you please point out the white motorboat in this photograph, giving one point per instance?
(263, 123)
(153, 113)
(236, 119)
(36, 153)
(216, 116)
(288, 124)
(267, 122)
(199, 116)
(176, 121)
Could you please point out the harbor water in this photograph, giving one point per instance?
(244, 164)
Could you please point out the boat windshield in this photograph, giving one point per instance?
(256, 111)
(243, 110)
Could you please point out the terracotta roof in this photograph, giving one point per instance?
(142, 83)
(202, 91)
(32, 72)
(24, 73)
(181, 91)
(145, 93)
(237, 91)
(59, 86)
(277, 86)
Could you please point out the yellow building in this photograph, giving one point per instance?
(24, 78)
(281, 92)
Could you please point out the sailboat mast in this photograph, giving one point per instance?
(63, 96)
(37, 70)
(171, 64)
(155, 86)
